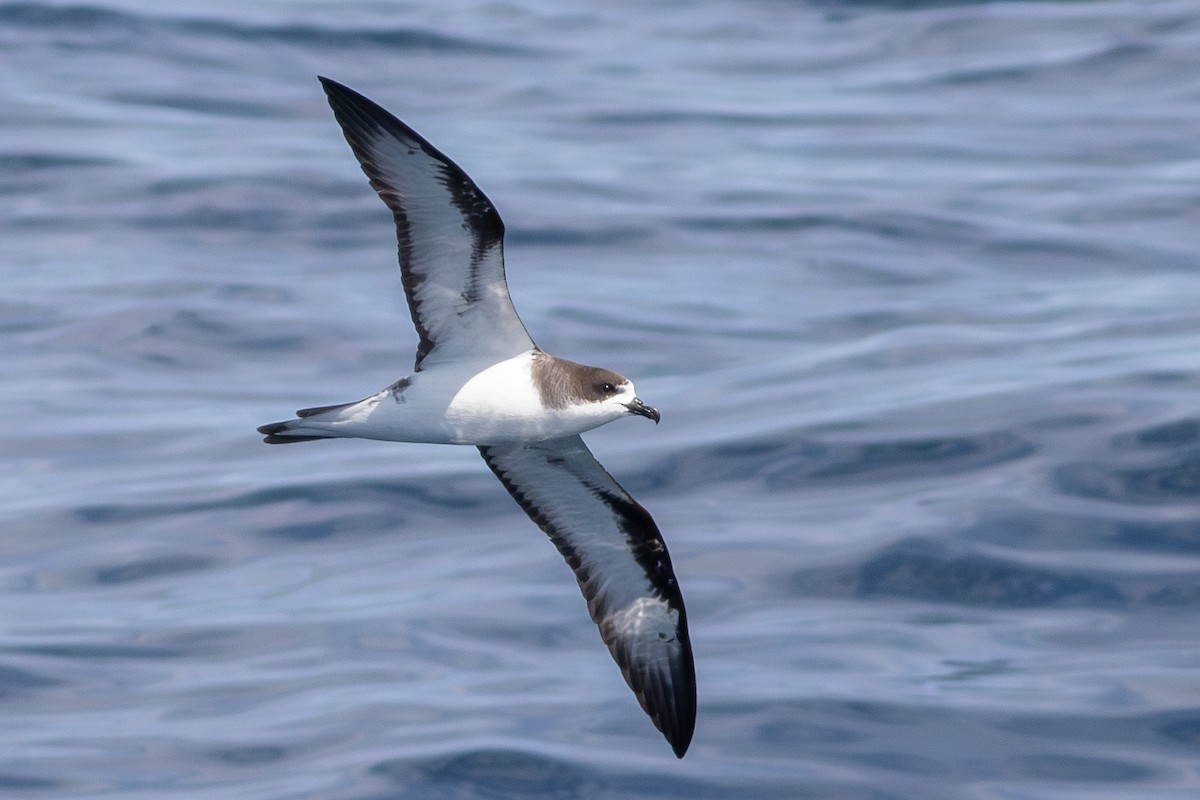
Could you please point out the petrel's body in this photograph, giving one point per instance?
(479, 379)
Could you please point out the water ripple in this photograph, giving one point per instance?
(95, 26)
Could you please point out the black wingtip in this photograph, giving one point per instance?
(680, 739)
(679, 734)
(341, 95)
(345, 100)
(331, 86)
(670, 699)
(681, 746)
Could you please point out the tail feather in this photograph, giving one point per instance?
(312, 412)
(312, 423)
(291, 431)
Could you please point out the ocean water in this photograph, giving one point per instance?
(915, 285)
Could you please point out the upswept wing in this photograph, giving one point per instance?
(451, 237)
(622, 565)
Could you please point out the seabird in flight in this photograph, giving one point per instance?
(480, 380)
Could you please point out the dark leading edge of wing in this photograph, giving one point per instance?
(622, 565)
(451, 238)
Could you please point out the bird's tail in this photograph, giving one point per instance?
(306, 428)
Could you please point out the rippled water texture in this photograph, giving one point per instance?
(914, 285)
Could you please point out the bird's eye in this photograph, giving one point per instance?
(608, 388)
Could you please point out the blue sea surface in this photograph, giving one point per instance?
(915, 285)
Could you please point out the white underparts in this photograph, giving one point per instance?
(464, 404)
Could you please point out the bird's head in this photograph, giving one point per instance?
(591, 393)
(616, 391)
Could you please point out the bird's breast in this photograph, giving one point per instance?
(500, 404)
